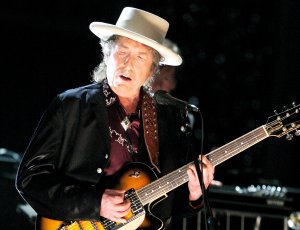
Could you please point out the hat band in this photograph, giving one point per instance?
(140, 28)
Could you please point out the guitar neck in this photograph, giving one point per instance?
(169, 182)
(238, 145)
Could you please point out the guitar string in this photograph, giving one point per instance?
(259, 134)
(260, 129)
(267, 126)
(245, 145)
(247, 141)
(162, 183)
(134, 201)
(230, 152)
(170, 177)
(288, 114)
(170, 183)
(109, 223)
(149, 192)
(234, 147)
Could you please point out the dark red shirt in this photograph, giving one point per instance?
(122, 146)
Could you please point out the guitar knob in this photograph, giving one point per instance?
(289, 136)
(297, 133)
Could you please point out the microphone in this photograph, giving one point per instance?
(164, 98)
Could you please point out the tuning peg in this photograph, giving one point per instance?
(275, 111)
(294, 105)
(289, 136)
(297, 132)
(284, 108)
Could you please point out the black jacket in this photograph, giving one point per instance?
(60, 174)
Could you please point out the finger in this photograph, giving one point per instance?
(191, 174)
(116, 196)
(207, 174)
(121, 214)
(123, 207)
(118, 219)
(204, 161)
(114, 192)
(117, 200)
(123, 210)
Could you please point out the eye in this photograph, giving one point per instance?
(142, 57)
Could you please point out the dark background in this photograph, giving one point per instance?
(241, 60)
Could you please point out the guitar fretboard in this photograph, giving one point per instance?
(238, 145)
(169, 182)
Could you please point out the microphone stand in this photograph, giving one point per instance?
(187, 129)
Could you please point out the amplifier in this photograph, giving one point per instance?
(266, 199)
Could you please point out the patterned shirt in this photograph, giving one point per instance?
(124, 143)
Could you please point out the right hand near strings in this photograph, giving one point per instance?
(113, 205)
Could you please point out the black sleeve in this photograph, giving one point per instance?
(40, 179)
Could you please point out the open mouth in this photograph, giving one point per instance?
(125, 78)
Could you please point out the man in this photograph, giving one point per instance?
(73, 168)
(166, 78)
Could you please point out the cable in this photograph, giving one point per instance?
(208, 215)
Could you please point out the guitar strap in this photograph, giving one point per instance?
(149, 116)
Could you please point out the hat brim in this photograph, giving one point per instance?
(105, 30)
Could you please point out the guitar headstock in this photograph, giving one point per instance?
(284, 123)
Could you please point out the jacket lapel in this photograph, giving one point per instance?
(98, 105)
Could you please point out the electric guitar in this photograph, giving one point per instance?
(144, 189)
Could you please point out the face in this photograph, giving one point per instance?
(165, 80)
(129, 65)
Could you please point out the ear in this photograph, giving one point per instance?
(154, 70)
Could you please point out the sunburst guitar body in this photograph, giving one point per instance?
(132, 178)
(144, 190)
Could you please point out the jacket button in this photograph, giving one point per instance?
(106, 156)
(99, 170)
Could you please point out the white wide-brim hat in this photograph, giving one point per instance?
(141, 26)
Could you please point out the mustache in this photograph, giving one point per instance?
(126, 72)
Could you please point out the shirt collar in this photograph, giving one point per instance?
(111, 97)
